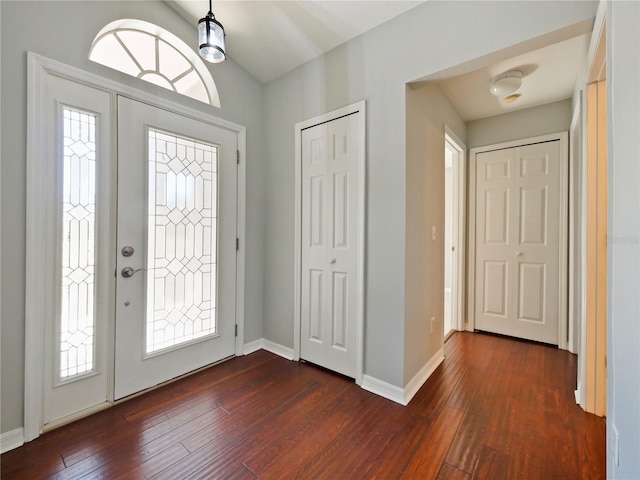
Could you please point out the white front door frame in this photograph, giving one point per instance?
(563, 137)
(360, 109)
(37, 295)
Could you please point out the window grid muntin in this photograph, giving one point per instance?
(76, 325)
(110, 62)
(183, 212)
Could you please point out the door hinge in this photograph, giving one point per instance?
(236, 329)
(237, 244)
(238, 157)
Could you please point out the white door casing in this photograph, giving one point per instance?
(329, 240)
(519, 241)
(458, 231)
(173, 212)
(43, 231)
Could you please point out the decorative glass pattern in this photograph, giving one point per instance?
(148, 52)
(78, 243)
(182, 221)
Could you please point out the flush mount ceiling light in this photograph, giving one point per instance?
(506, 83)
(211, 38)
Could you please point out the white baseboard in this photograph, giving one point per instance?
(403, 395)
(11, 439)
(422, 376)
(278, 349)
(252, 346)
(269, 346)
(384, 389)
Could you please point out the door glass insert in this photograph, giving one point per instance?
(181, 241)
(77, 320)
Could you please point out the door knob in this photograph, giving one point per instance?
(127, 251)
(518, 254)
(127, 272)
(333, 260)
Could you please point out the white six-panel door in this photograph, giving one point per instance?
(518, 215)
(329, 263)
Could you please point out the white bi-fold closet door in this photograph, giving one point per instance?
(331, 154)
(140, 271)
(518, 245)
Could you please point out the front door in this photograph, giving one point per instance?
(518, 229)
(131, 264)
(176, 246)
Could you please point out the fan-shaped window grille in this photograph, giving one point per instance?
(148, 52)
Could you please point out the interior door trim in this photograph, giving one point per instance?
(38, 68)
(360, 108)
(563, 138)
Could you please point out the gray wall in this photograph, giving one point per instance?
(64, 31)
(623, 335)
(376, 67)
(530, 122)
(428, 110)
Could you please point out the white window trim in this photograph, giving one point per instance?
(38, 67)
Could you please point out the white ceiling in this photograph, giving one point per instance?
(269, 38)
(549, 75)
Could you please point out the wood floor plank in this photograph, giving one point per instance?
(467, 443)
(357, 444)
(492, 465)
(448, 472)
(232, 433)
(496, 408)
(401, 450)
(429, 457)
(298, 457)
(502, 425)
(298, 426)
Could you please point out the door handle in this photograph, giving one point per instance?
(333, 260)
(128, 272)
(518, 254)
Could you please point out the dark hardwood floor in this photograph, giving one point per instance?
(495, 409)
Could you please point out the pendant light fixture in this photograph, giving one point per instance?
(211, 38)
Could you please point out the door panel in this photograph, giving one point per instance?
(329, 250)
(495, 298)
(532, 292)
(497, 216)
(533, 202)
(175, 306)
(76, 370)
(518, 241)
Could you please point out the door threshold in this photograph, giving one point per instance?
(61, 422)
(172, 380)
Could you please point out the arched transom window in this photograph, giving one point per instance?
(146, 51)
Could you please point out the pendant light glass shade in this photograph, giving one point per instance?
(211, 38)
